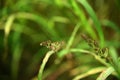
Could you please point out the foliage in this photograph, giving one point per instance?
(59, 39)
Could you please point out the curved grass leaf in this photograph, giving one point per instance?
(84, 22)
(105, 73)
(95, 20)
(90, 72)
(47, 56)
(17, 49)
(115, 60)
(70, 42)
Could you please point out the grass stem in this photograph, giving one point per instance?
(91, 53)
(47, 56)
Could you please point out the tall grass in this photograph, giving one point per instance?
(27, 23)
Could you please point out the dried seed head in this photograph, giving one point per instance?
(55, 46)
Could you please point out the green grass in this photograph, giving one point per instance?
(25, 24)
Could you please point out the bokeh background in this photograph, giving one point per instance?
(24, 24)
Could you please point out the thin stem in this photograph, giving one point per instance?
(91, 53)
(47, 56)
(90, 72)
(105, 73)
(70, 42)
(7, 29)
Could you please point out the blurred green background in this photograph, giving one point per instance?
(24, 24)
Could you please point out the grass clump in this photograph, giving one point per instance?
(80, 40)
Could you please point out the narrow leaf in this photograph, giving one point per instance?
(105, 73)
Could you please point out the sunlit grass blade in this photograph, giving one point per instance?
(91, 53)
(7, 30)
(115, 60)
(105, 73)
(9, 24)
(95, 20)
(47, 56)
(89, 73)
(60, 19)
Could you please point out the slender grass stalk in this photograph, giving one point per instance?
(7, 31)
(91, 53)
(70, 42)
(47, 56)
(116, 63)
(15, 61)
(95, 20)
(90, 72)
(80, 13)
(105, 73)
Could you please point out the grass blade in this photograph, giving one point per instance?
(114, 57)
(47, 56)
(17, 49)
(70, 42)
(90, 72)
(95, 20)
(7, 30)
(81, 15)
(105, 73)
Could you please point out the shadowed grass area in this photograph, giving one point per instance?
(24, 24)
